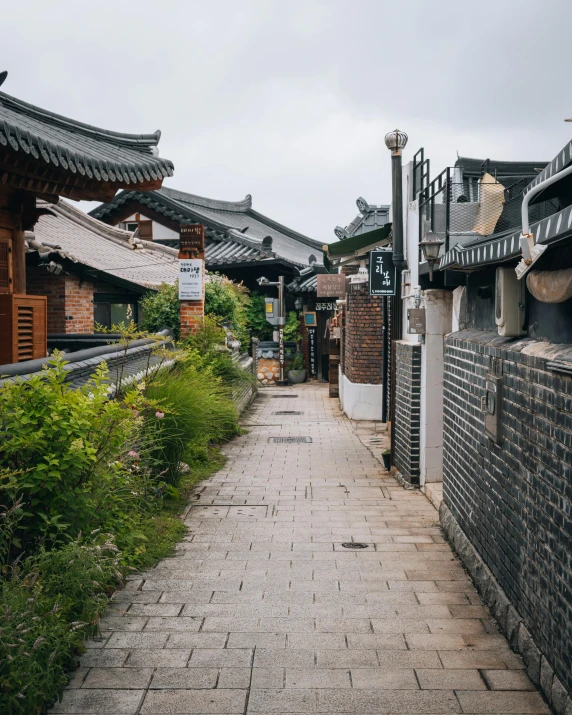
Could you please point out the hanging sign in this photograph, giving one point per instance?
(190, 279)
(192, 238)
(332, 285)
(313, 349)
(382, 273)
(326, 306)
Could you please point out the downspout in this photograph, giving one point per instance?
(532, 251)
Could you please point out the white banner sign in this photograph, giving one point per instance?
(190, 279)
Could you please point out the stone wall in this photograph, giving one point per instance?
(513, 500)
(362, 362)
(407, 409)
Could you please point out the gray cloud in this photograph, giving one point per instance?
(290, 101)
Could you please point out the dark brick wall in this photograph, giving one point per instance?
(514, 500)
(363, 338)
(407, 409)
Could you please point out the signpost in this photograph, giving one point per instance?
(190, 279)
(382, 273)
(192, 238)
(313, 349)
(332, 285)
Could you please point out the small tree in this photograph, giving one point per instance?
(161, 310)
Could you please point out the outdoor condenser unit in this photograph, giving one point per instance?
(509, 303)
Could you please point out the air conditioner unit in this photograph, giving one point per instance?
(509, 303)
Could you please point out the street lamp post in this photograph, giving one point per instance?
(431, 246)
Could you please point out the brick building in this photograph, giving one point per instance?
(90, 272)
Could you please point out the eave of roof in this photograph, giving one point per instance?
(108, 251)
(357, 245)
(48, 153)
(222, 219)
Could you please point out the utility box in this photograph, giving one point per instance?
(491, 404)
(416, 323)
(509, 303)
(272, 310)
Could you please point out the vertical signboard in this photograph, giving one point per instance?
(192, 238)
(313, 349)
(190, 279)
(382, 273)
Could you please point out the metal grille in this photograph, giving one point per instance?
(354, 545)
(287, 412)
(289, 440)
(283, 396)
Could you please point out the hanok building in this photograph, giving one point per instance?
(239, 242)
(92, 273)
(361, 369)
(44, 155)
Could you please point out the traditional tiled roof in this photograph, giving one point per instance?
(73, 235)
(223, 220)
(43, 151)
(370, 218)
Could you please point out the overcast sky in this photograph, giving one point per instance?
(290, 100)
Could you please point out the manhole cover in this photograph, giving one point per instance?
(283, 396)
(355, 545)
(287, 412)
(289, 440)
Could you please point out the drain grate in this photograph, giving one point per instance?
(355, 545)
(289, 440)
(283, 396)
(287, 412)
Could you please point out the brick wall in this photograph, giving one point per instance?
(363, 338)
(407, 409)
(192, 313)
(70, 301)
(514, 500)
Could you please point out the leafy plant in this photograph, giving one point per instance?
(297, 363)
(292, 327)
(256, 317)
(161, 310)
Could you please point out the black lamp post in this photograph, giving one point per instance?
(431, 247)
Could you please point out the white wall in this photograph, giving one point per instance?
(159, 231)
(359, 401)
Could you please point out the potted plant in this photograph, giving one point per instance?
(297, 371)
(386, 456)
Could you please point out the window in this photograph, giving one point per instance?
(109, 309)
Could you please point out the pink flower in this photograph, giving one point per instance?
(133, 454)
(159, 414)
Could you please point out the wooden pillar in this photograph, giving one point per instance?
(19, 260)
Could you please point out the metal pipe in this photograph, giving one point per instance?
(397, 223)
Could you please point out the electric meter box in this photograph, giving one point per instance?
(509, 303)
(271, 310)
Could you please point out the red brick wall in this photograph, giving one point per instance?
(192, 313)
(70, 303)
(362, 354)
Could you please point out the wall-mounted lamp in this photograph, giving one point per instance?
(431, 247)
(298, 303)
(361, 276)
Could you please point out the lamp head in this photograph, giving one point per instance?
(262, 281)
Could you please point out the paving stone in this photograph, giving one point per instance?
(442, 679)
(189, 702)
(272, 602)
(110, 702)
(384, 679)
(504, 703)
(507, 680)
(184, 678)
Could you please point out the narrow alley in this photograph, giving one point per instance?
(309, 582)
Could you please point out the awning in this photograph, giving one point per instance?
(358, 245)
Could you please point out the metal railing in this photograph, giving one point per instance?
(461, 211)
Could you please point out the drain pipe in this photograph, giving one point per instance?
(532, 251)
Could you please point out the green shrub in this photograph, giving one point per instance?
(256, 317)
(292, 327)
(161, 310)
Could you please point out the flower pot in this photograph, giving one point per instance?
(296, 377)
(386, 456)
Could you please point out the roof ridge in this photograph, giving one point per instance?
(131, 140)
(312, 242)
(216, 204)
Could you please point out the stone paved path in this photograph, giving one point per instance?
(263, 610)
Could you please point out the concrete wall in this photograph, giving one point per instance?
(360, 401)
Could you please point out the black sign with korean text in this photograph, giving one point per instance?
(382, 273)
(192, 238)
(330, 305)
(313, 349)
